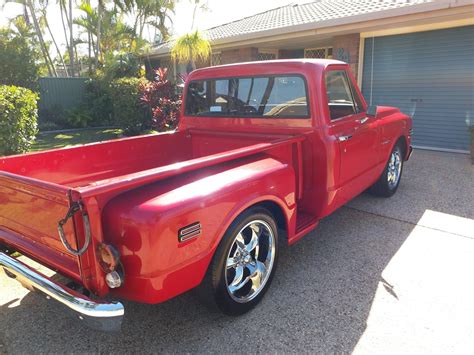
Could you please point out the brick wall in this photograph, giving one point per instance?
(239, 55)
(346, 48)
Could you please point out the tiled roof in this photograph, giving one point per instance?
(292, 15)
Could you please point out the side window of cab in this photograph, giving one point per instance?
(342, 96)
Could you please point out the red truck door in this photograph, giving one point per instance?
(355, 132)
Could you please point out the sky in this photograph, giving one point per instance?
(220, 11)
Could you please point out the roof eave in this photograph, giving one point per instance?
(403, 11)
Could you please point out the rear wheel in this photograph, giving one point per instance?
(388, 182)
(244, 263)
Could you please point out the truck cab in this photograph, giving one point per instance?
(263, 152)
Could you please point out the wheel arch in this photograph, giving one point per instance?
(278, 214)
(281, 212)
(402, 140)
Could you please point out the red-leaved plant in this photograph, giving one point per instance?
(164, 105)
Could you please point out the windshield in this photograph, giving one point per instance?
(262, 96)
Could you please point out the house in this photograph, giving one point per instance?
(414, 54)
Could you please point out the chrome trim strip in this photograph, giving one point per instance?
(189, 236)
(190, 229)
(189, 232)
(98, 315)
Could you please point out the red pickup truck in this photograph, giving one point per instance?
(263, 152)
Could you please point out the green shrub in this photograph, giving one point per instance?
(127, 111)
(55, 114)
(122, 65)
(97, 103)
(48, 126)
(18, 119)
(78, 118)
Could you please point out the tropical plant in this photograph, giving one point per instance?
(123, 65)
(148, 12)
(18, 119)
(113, 36)
(77, 117)
(87, 22)
(161, 101)
(191, 47)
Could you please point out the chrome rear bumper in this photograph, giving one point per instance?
(100, 316)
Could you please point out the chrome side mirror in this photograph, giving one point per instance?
(372, 111)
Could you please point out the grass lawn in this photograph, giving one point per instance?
(46, 141)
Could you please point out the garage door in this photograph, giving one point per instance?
(430, 76)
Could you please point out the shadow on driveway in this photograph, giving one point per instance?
(320, 299)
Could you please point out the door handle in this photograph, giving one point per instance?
(363, 120)
(345, 138)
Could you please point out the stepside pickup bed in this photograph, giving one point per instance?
(263, 152)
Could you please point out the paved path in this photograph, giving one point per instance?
(379, 275)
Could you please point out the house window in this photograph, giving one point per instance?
(267, 54)
(216, 58)
(325, 52)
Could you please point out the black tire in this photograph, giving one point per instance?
(384, 186)
(214, 290)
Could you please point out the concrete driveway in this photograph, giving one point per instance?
(380, 275)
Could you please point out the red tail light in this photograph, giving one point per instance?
(108, 257)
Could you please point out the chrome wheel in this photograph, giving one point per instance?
(394, 169)
(250, 261)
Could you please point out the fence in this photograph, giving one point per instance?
(63, 93)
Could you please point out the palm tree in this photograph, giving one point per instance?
(148, 12)
(191, 47)
(100, 10)
(44, 20)
(198, 5)
(71, 39)
(159, 16)
(88, 22)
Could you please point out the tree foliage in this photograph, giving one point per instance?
(19, 56)
(104, 28)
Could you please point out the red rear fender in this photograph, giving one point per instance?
(144, 224)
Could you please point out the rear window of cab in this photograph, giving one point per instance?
(273, 96)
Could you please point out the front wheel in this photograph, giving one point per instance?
(388, 182)
(244, 263)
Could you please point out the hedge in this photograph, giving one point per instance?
(128, 113)
(18, 119)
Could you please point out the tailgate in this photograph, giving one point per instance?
(29, 214)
